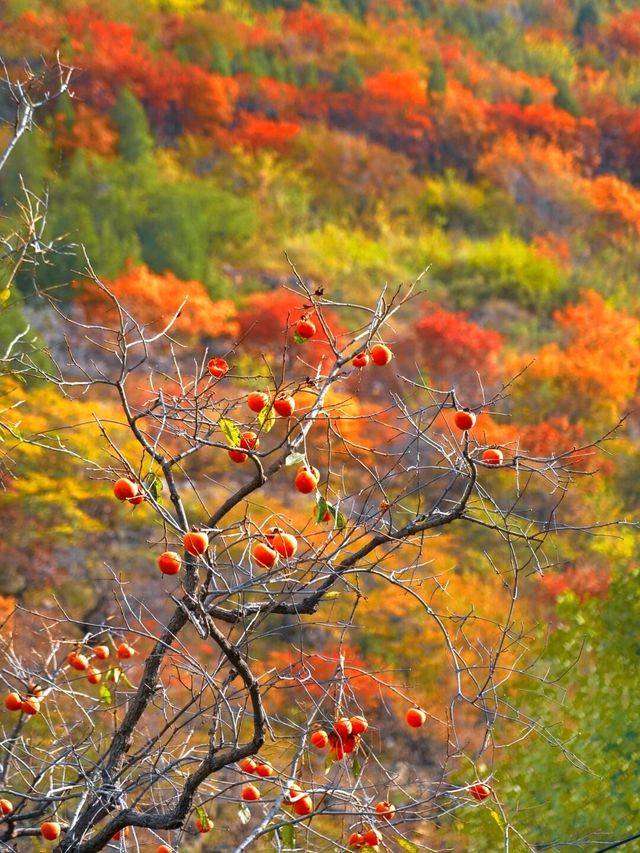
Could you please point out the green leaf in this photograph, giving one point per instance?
(288, 836)
(113, 674)
(153, 484)
(267, 418)
(407, 845)
(203, 817)
(295, 459)
(230, 430)
(244, 814)
(105, 694)
(339, 520)
(321, 507)
(125, 680)
(298, 339)
(356, 768)
(328, 763)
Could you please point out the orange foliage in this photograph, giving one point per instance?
(594, 371)
(295, 668)
(617, 201)
(153, 299)
(404, 88)
(90, 130)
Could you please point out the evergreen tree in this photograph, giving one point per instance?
(563, 99)
(220, 62)
(526, 97)
(136, 142)
(259, 64)
(587, 16)
(349, 75)
(437, 77)
(29, 162)
(311, 78)
(239, 63)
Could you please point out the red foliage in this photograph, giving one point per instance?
(588, 582)
(307, 23)
(624, 33)
(263, 323)
(453, 349)
(256, 132)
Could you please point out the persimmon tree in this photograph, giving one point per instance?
(264, 514)
(269, 506)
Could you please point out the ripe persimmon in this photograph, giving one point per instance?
(6, 806)
(305, 328)
(361, 360)
(319, 739)
(303, 806)
(293, 793)
(248, 441)
(30, 706)
(285, 544)
(164, 848)
(464, 419)
(101, 652)
(479, 791)
(492, 456)
(285, 405)
(265, 770)
(121, 833)
(381, 355)
(94, 676)
(343, 727)
(306, 480)
(250, 793)
(169, 563)
(350, 743)
(78, 661)
(125, 489)
(50, 830)
(385, 809)
(372, 837)
(356, 839)
(359, 725)
(264, 555)
(195, 542)
(416, 717)
(204, 825)
(257, 400)
(217, 367)
(249, 765)
(13, 702)
(125, 651)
